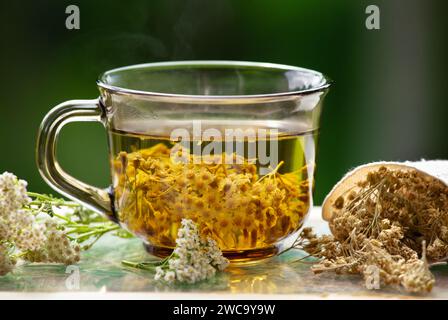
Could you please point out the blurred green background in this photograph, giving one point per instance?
(388, 102)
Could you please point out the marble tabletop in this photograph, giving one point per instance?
(100, 275)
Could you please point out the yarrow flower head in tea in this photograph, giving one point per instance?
(230, 202)
(194, 259)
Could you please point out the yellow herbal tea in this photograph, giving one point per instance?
(170, 127)
(247, 207)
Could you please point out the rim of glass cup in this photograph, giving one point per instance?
(225, 99)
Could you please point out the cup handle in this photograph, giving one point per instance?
(71, 111)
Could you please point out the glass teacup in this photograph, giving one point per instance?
(229, 145)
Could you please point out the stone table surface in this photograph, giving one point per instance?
(101, 276)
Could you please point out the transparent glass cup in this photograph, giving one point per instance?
(229, 145)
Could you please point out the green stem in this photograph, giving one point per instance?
(19, 254)
(55, 203)
(51, 200)
(81, 229)
(286, 250)
(62, 217)
(101, 231)
(76, 226)
(90, 245)
(150, 266)
(79, 224)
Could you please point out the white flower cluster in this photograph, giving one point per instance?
(37, 241)
(16, 225)
(193, 259)
(6, 262)
(56, 247)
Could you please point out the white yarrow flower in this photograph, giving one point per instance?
(13, 194)
(6, 263)
(159, 273)
(18, 227)
(170, 276)
(193, 259)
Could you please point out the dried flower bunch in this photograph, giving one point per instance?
(388, 221)
(194, 259)
(31, 230)
(230, 203)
